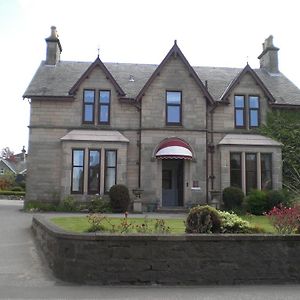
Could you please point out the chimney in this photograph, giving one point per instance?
(269, 57)
(53, 48)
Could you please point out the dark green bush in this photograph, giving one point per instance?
(277, 198)
(68, 204)
(34, 206)
(99, 205)
(17, 189)
(119, 198)
(232, 198)
(257, 202)
(12, 193)
(203, 219)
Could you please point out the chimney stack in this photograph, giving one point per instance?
(53, 48)
(269, 57)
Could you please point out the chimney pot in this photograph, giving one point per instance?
(53, 48)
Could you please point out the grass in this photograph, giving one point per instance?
(81, 224)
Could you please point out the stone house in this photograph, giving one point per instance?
(16, 164)
(181, 134)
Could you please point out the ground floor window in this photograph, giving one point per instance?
(251, 170)
(110, 173)
(86, 173)
(77, 171)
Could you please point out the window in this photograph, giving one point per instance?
(173, 108)
(1, 171)
(266, 171)
(94, 172)
(251, 173)
(77, 171)
(239, 111)
(110, 173)
(253, 111)
(88, 106)
(104, 107)
(235, 170)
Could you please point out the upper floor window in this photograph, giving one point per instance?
(88, 106)
(104, 107)
(239, 111)
(253, 111)
(173, 108)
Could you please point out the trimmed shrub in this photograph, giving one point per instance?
(99, 205)
(67, 204)
(203, 219)
(12, 193)
(35, 206)
(257, 202)
(17, 189)
(232, 197)
(277, 198)
(119, 198)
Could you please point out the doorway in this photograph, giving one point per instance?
(172, 182)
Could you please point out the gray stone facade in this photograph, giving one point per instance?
(138, 112)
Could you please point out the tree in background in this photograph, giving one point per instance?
(284, 126)
(6, 153)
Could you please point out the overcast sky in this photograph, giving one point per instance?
(210, 33)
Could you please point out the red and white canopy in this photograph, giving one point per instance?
(174, 148)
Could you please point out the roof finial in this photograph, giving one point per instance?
(247, 59)
(98, 50)
(175, 42)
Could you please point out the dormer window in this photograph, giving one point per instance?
(88, 106)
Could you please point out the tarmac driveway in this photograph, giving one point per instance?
(24, 273)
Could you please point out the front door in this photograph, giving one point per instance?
(172, 183)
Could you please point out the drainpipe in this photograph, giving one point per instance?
(206, 133)
(140, 144)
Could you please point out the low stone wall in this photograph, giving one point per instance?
(169, 259)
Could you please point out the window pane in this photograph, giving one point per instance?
(266, 171)
(110, 178)
(253, 118)
(104, 96)
(253, 102)
(78, 157)
(77, 180)
(251, 179)
(235, 170)
(104, 110)
(94, 171)
(89, 96)
(110, 158)
(173, 97)
(173, 114)
(88, 113)
(239, 117)
(239, 101)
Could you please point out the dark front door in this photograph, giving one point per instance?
(172, 183)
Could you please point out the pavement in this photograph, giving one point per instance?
(24, 273)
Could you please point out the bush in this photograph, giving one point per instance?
(277, 198)
(17, 189)
(34, 206)
(257, 202)
(285, 220)
(67, 204)
(12, 193)
(232, 197)
(99, 205)
(203, 219)
(119, 198)
(231, 223)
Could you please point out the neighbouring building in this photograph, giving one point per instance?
(16, 164)
(179, 133)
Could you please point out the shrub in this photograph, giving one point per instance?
(12, 193)
(257, 202)
(232, 197)
(285, 219)
(277, 198)
(203, 219)
(98, 204)
(96, 222)
(231, 223)
(68, 204)
(17, 189)
(34, 206)
(119, 198)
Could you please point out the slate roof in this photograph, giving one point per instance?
(56, 81)
(17, 167)
(248, 139)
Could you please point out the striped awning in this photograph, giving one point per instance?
(174, 148)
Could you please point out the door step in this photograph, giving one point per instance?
(172, 210)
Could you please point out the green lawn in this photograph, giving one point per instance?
(81, 224)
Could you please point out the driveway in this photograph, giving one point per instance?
(24, 273)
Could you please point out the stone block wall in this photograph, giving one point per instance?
(169, 259)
